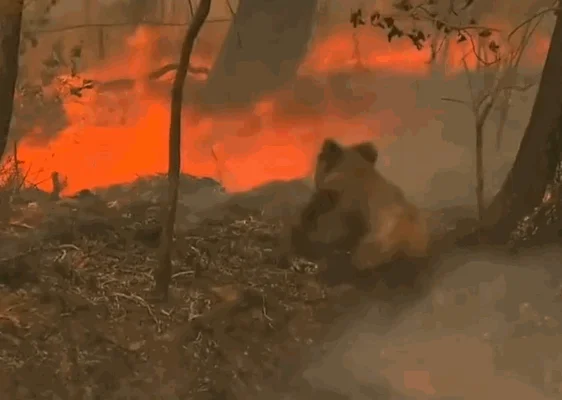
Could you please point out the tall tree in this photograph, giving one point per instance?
(261, 53)
(163, 274)
(141, 10)
(540, 149)
(11, 12)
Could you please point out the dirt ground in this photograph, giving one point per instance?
(77, 320)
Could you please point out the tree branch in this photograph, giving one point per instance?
(533, 17)
(163, 274)
(120, 24)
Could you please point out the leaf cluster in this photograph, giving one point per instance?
(30, 97)
(36, 16)
(423, 21)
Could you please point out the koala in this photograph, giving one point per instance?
(357, 210)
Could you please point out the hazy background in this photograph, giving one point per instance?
(487, 331)
(434, 161)
(431, 151)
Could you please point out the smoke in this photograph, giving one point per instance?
(489, 330)
(433, 157)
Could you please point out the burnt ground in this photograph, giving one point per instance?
(76, 316)
(77, 320)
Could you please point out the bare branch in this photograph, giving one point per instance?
(230, 8)
(190, 9)
(452, 100)
(233, 14)
(533, 17)
(428, 11)
(470, 85)
(163, 274)
(475, 51)
(121, 24)
(436, 49)
(433, 19)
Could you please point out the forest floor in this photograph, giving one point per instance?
(77, 320)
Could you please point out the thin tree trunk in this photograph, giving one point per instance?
(87, 12)
(101, 43)
(539, 151)
(10, 27)
(163, 274)
(479, 130)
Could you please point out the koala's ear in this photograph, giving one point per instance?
(330, 152)
(368, 151)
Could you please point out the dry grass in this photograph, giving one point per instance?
(77, 319)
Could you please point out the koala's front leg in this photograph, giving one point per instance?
(369, 254)
(286, 249)
(293, 243)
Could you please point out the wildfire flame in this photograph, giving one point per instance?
(242, 150)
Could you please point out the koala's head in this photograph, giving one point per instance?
(335, 161)
(336, 213)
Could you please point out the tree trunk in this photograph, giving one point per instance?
(263, 49)
(87, 6)
(101, 43)
(10, 29)
(480, 171)
(539, 152)
(163, 274)
(142, 10)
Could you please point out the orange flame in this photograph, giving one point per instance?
(242, 150)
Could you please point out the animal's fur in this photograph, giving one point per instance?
(355, 208)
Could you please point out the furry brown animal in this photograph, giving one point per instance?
(356, 209)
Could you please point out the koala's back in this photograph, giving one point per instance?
(382, 192)
(395, 226)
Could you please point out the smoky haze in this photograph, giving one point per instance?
(487, 331)
(434, 156)
(427, 144)
(433, 159)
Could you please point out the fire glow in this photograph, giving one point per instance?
(242, 151)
